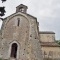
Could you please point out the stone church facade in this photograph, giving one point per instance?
(20, 38)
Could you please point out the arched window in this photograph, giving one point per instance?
(14, 50)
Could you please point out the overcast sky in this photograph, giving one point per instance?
(46, 11)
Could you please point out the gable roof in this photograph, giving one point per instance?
(20, 12)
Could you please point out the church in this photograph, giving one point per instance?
(20, 38)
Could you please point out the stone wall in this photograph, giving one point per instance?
(51, 52)
(47, 37)
(25, 35)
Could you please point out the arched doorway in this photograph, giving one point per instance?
(14, 50)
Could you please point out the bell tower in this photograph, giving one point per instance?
(21, 8)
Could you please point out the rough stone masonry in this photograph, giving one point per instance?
(19, 38)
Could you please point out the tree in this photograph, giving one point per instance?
(2, 9)
(58, 41)
(3, 1)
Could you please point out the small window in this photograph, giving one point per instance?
(18, 21)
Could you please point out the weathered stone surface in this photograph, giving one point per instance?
(24, 34)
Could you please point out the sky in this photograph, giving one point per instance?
(46, 11)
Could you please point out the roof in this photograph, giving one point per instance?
(22, 5)
(46, 32)
(20, 12)
(50, 44)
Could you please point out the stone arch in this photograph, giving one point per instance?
(16, 46)
(17, 15)
(8, 29)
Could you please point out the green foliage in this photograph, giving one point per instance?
(58, 41)
(1, 59)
